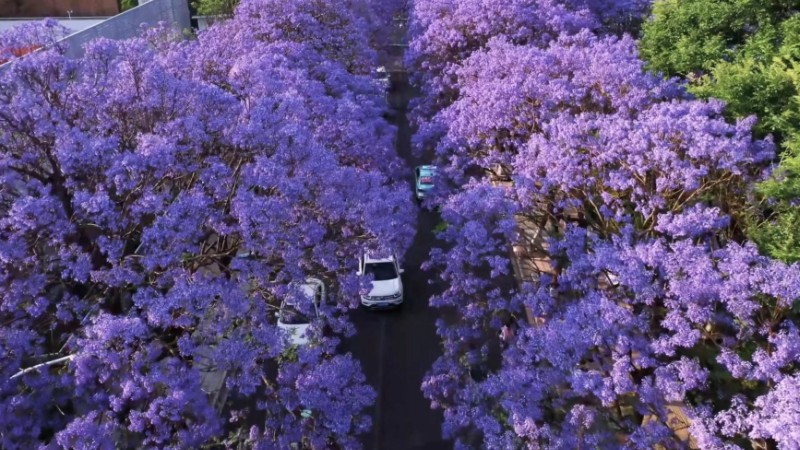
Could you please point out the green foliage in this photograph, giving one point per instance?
(779, 234)
(763, 78)
(440, 227)
(685, 36)
(128, 4)
(780, 237)
(215, 7)
(784, 186)
(746, 52)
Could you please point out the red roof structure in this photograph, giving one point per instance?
(59, 8)
(17, 52)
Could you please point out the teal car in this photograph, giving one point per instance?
(424, 176)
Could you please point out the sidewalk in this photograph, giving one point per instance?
(527, 258)
(528, 254)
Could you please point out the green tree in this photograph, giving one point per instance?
(686, 36)
(215, 7)
(764, 79)
(746, 52)
(128, 4)
(761, 78)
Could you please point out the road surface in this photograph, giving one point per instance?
(397, 348)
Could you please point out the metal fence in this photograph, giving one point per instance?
(128, 24)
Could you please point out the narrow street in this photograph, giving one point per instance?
(396, 348)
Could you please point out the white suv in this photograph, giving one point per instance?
(387, 287)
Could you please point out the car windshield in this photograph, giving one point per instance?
(381, 271)
(291, 316)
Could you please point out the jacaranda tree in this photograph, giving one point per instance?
(160, 198)
(28, 37)
(647, 306)
(444, 33)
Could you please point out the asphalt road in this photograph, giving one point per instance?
(396, 348)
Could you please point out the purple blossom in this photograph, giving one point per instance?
(777, 415)
(149, 235)
(27, 37)
(620, 192)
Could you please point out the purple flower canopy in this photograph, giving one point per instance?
(154, 230)
(160, 197)
(628, 197)
(28, 37)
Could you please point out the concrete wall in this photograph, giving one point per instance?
(127, 24)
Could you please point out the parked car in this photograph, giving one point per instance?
(384, 79)
(387, 286)
(294, 319)
(424, 177)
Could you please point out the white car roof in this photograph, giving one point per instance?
(308, 287)
(369, 259)
(308, 290)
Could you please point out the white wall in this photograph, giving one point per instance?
(127, 24)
